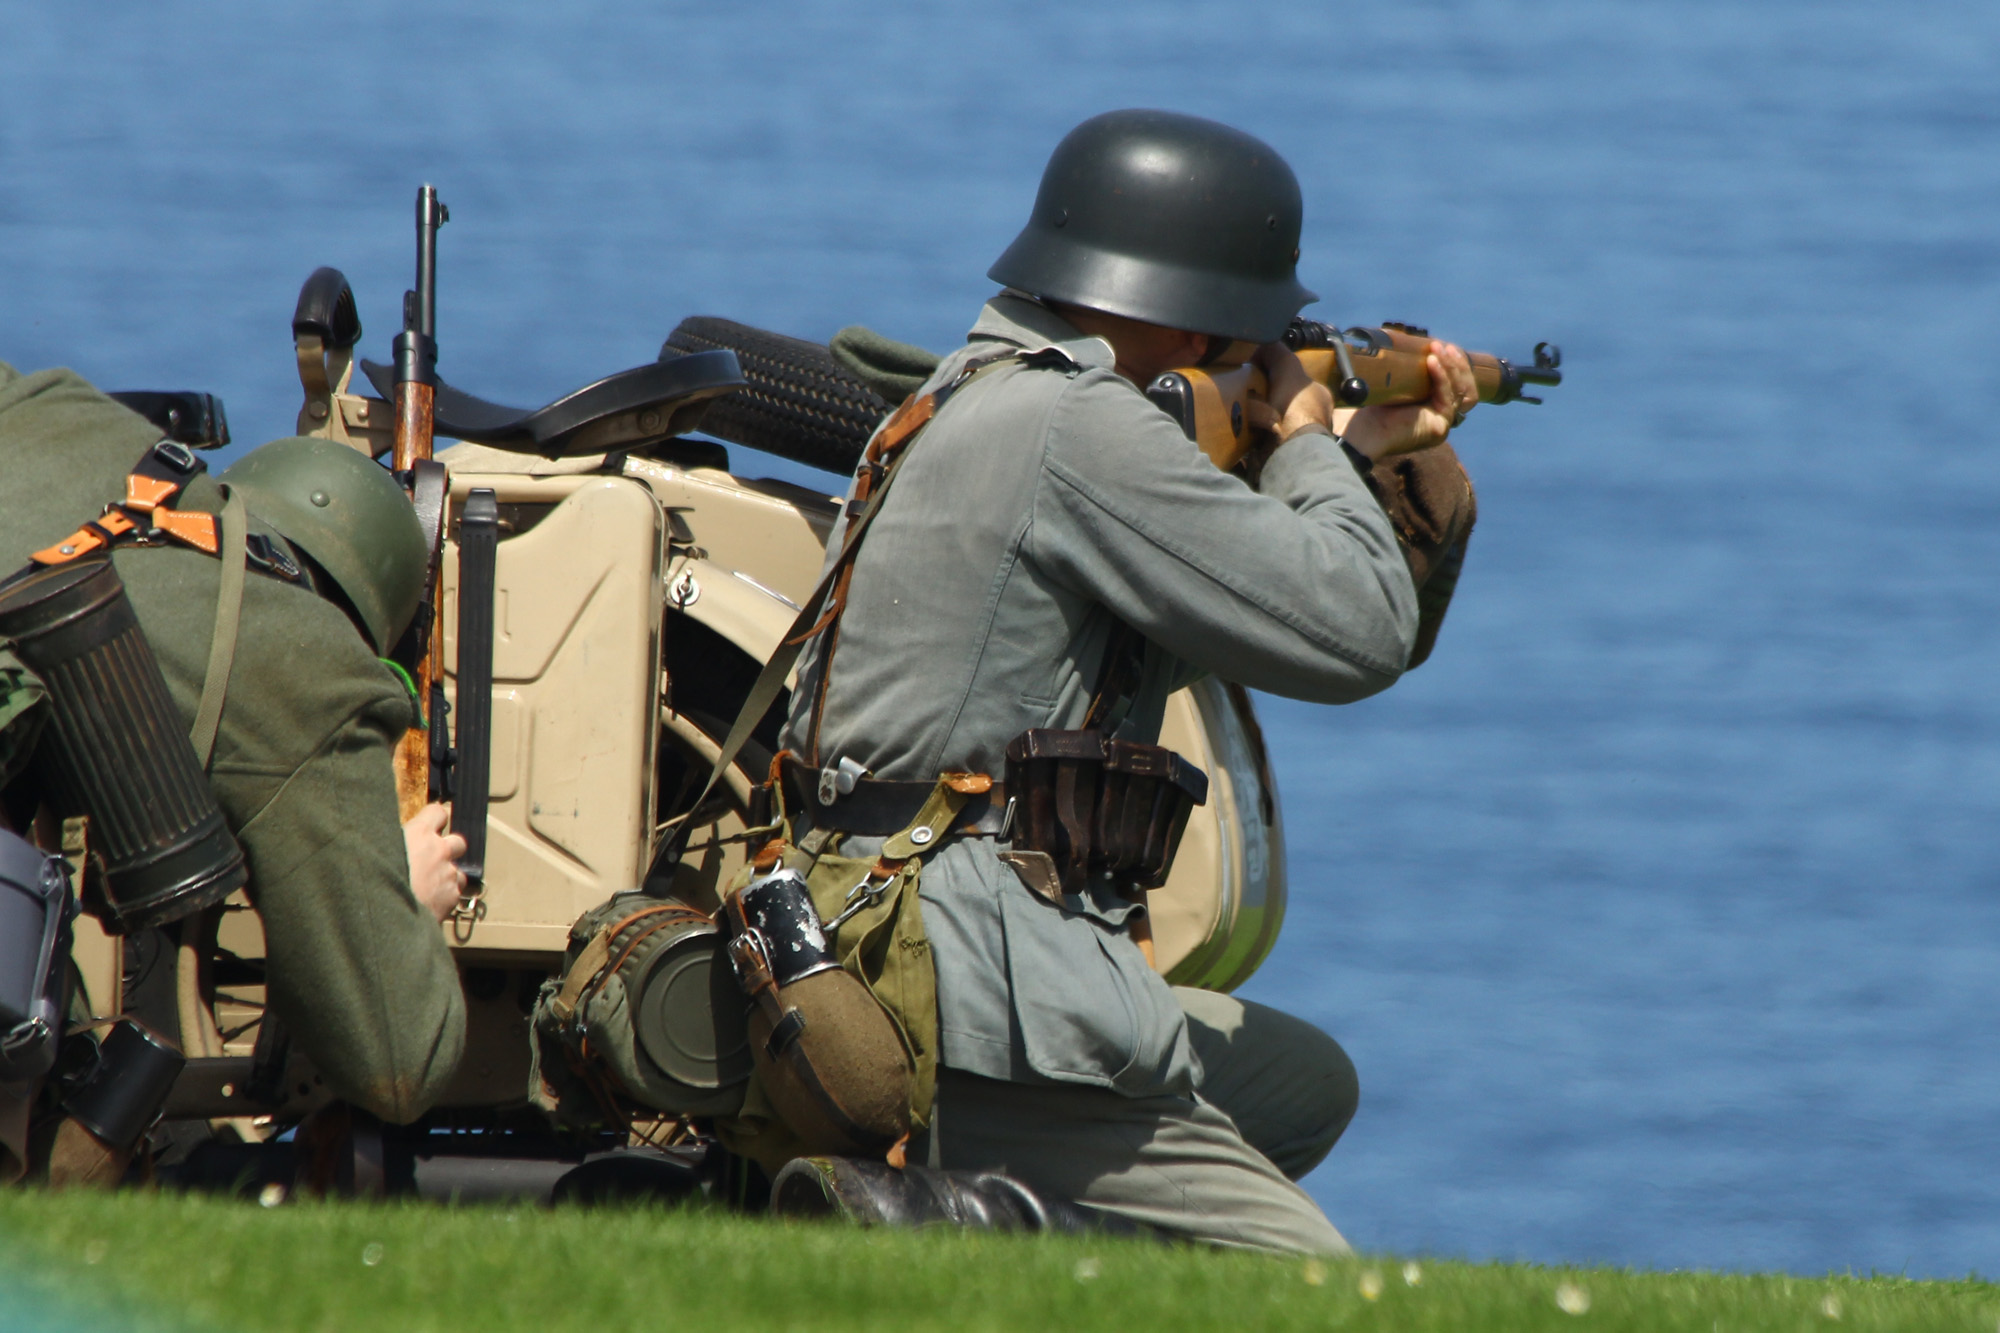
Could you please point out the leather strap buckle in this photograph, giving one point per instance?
(178, 457)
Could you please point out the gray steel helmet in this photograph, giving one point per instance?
(1165, 218)
(350, 516)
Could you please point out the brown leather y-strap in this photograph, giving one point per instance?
(883, 452)
(819, 612)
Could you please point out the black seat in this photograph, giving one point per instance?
(194, 419)
(634, 407)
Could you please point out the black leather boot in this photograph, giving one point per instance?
(873, 1193)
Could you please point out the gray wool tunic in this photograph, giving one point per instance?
(1041, 506)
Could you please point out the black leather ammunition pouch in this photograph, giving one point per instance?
(1100, 807)
(828, 1055)
(117, 750)
(35, 912)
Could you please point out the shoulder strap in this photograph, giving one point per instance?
(233, 539)
(892, 438)
(147, 516)
(884, 459)
(147, 512)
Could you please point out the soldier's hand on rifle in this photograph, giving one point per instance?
(1383, 431)
(434, 874)
(1296, 399)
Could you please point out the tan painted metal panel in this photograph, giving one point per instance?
(578, 600)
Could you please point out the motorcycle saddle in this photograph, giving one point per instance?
(634, 407)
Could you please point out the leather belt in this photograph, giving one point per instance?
(877, 807)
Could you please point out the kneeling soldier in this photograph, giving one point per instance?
(1056, 557)
(298, 758)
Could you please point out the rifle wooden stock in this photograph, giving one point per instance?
(1211, 402)
(415, 415)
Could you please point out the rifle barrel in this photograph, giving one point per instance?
(430, 216)
(416, 345)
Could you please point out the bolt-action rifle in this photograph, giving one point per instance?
(420, 754)
(428, 766)
(1362, 366)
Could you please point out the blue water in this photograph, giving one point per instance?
(1659, 910)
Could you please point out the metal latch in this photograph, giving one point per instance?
(837, 780)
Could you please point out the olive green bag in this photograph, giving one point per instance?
(882, 945)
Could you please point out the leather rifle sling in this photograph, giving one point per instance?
(809, 620)
(887, 441)
(772, 678)
(234, 540)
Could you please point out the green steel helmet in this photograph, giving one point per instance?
(1165, 218)
(350, 516)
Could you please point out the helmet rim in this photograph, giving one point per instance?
(1172, 296)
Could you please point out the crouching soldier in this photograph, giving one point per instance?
(266, 615)
(987, 688)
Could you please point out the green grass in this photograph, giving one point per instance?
(133, 1261)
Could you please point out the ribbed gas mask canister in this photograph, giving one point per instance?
(116, 748)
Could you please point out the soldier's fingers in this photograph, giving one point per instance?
(1462, 378)
(1385, 432)
(1446, 404)
(1450, 363)
(1444, 389)
(454, 845)
(1261, 415)
(1283, 372)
